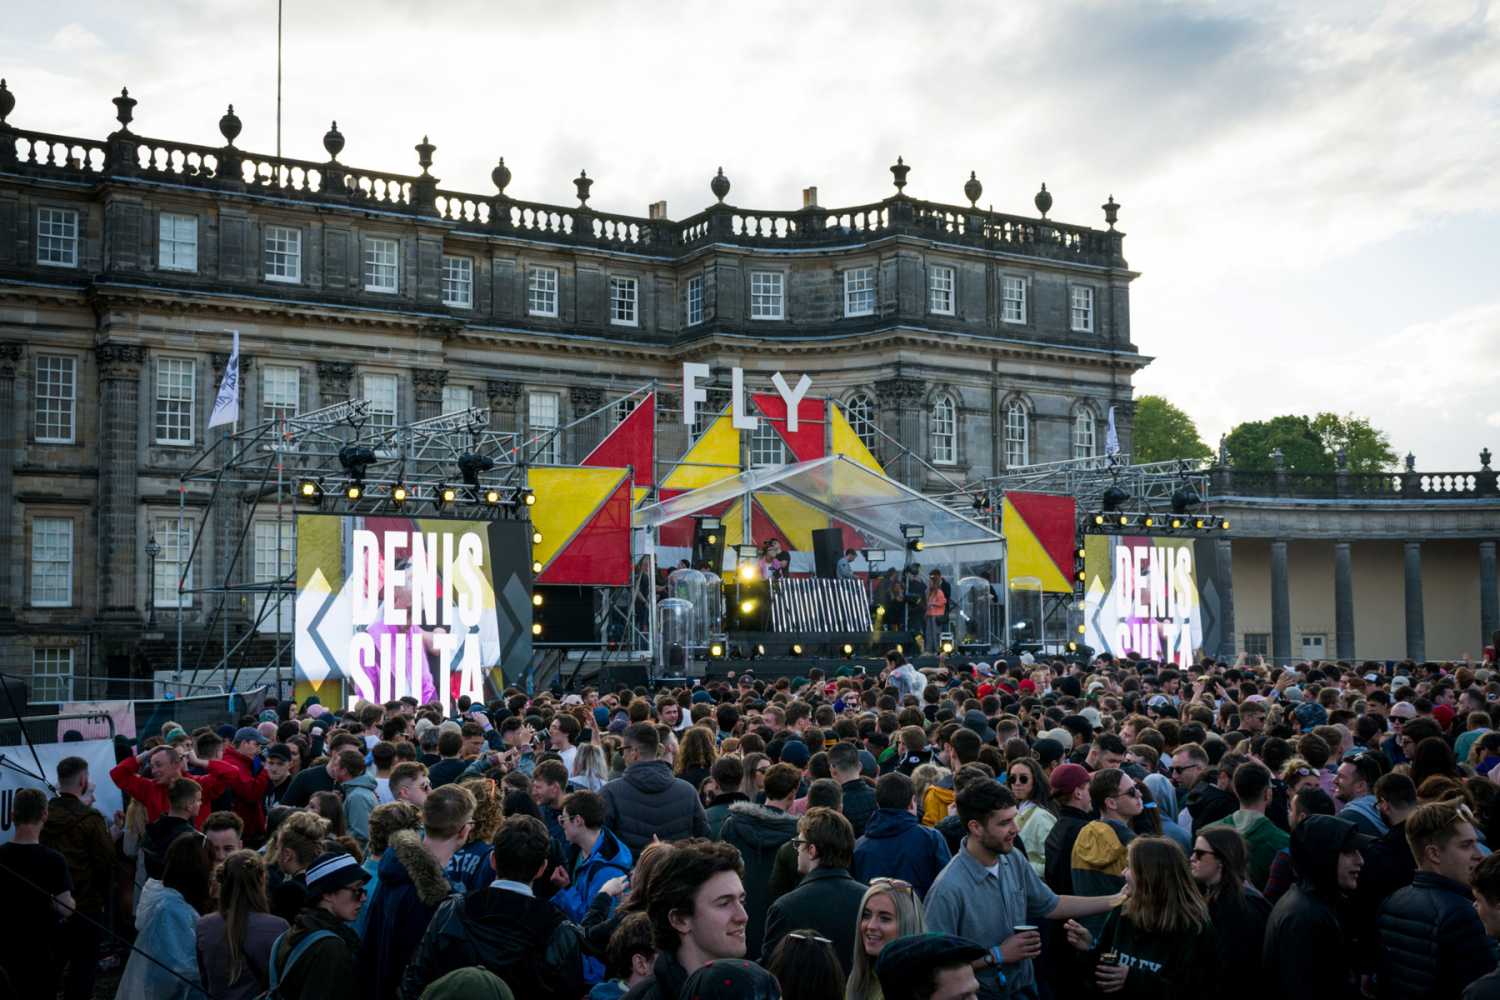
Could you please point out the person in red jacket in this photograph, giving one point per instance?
(251, 782)
(166, 766)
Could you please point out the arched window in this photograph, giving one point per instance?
(861, 413)
(944, 430)
(1084, 441)
(1017, 435)
(766, 447)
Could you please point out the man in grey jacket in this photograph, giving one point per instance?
(649, 800)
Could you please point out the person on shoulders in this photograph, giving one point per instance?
(315, 960)
(1431, 941)
(504, 928)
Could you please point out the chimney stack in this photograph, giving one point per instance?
(810, 197)
(657, 211)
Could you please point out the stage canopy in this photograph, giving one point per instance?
(849, 493)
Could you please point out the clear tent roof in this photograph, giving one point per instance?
(848, 492)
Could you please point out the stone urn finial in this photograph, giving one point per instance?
(898, 174)
(973, 189)
(719, 186)
(124, 109)
(1043, 201)
(1411, 462)
(230, 126)
(583, 182)
(1111, 211)
(1484, 456)
(424, 154)
(333, 142)
(1278, 459)
(500, 176)
(7, 101)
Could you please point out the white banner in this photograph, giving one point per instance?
(18, 769)
(121, 713)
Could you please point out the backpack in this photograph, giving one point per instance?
(275, 974)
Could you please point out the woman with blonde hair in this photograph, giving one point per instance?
(1163, 926)
(590, 768)
(889, 910)
(695, 755)
(234, 943)
(470, 864)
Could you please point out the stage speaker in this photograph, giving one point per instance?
(708, 545)
(566, 614)
(828, 549)
(631, 675)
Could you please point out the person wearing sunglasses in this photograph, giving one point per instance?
(324, 968)
(1220, 862)
(1100, 850)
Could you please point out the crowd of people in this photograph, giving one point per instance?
(1018, 829)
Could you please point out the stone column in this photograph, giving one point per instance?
(1225, 566)
(1489, 595)
(1281, 606)
(11, 429)
(1343, 601)
(119, 445)
(333, 382)
(583, 438)
(1416, 632)
(428, 385)
(899, 401)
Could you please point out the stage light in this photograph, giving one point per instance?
(354, 491)
(1148, 521)
(528, 498)
(947, 645)
(492, 497)
(1224, 524)
(880, 611)
(1083, 553)
(1098, 520)
(747, 607)
(796, 649)
(1176, 522)
(915, 545)
(1072, 646)
(709, 523)
(1081, 629)
(398, 494)
(1184, 498)
(536, 568)
(900, 649)
(309, 489)
(716, 651)
(748, 571)
(356, 458)
(536, 538)
(536, 600)
(713, 539)
(444, 495)
(1200, 524)
(1124, 520)
(471, 465)
(911, 532)
(1114, 497)
(760, 649)
(536, 628)
(848, 649)
(1083, 575)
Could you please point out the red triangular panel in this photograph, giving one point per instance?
(1053, 519)
(599, 555)
(632, 444)
(810, 441)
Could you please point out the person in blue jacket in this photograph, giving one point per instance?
(598, 857)
(895, 844)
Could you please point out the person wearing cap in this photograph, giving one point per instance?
(326, 969)
(1306, 948)
(1070, 791)
(929, 967)
(732, 979)
(1432, 943)
(251, 780)
(989, 890)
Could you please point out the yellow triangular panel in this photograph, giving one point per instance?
(733, 520)
(565, 500)
(846, 442)
(1025, 556)
(638, 494)
(795, 519)
(715, 456)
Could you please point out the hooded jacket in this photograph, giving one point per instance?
(1207, 803)
(1431, 941)
(167, 924)
(1099, 863)
(1305, 953)
(935, 803)
(79, 833)
(1059, 863)
(1262, 837)
(757, 832)
(359, 801)
(412, 885)
(650, 801)
(525, 941)
(1239, 917)
(895, 845)
(326, 971)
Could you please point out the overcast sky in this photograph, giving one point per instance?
(1311, 190)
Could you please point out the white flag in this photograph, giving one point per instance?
(227, 402)
(1111, 436)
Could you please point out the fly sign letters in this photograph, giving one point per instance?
(739, 414)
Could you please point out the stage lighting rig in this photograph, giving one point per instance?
(310, 490)
(399, 494)
(1185, 498)
(1114, 498)
(471, 465)
(444, 495)
(528, 498)
(355, 458)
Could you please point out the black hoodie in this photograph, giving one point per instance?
(1306, 950)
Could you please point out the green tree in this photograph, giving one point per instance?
(1367, 448)
(1310, 444)
(1163, 433)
